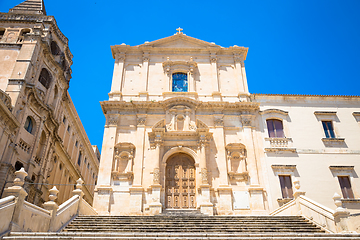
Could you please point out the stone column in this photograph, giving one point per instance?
(224, 191)
(243, 73)
(206, 207)
(19, 192)
(156, 206)
(215, 80)
(219, 138)
(117, 80)
(103, 189)
(238, 73)
(136, 191)
(255, 190)
(145, 67)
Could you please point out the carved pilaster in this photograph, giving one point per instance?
(156, 174)
(204, 176)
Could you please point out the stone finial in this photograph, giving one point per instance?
(20, 177)
(53, 194)
(297, 192)
(296, 184)
(341, 215)
(78, 191)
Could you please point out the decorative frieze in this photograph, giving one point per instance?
(112, 119)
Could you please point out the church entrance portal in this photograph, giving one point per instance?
(180, 182)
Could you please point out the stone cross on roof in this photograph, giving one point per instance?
(29, 7)
(179, 30)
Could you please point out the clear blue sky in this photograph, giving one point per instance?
(295, 47)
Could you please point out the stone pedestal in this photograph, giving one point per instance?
(256, 198)
(155, 207)
(136, 200)
(225, 199)
(206, 207)
(102, 196)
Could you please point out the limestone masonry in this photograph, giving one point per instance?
(184, 140)
(183, 132)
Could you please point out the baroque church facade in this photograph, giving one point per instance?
(183, 133)
(40, 129)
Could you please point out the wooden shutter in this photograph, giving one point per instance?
(345, 187)
(286, 186)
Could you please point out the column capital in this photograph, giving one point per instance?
(112, 120)
(247, 120)
(141, 119)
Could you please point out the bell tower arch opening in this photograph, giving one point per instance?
(180, 187)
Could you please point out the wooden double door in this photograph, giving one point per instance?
(180, 182)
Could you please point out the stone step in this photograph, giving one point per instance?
(190, 236)
(117, 224)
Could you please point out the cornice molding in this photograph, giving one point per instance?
(120, 106)
(10, 17)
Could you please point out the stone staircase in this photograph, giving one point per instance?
(173, 225)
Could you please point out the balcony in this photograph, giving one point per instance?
(279, 144)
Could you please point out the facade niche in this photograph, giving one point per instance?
(237, 165)
(122, 167)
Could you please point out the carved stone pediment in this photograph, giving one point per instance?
(190, 133)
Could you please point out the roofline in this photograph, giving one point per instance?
(303, 95)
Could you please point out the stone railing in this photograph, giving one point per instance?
(278, 144)
(18, 215)
(7, 206)
(333, 221)
(5, 98)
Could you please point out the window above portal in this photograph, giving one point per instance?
(179, 82)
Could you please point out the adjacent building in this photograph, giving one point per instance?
(40, 129)
(183, 133)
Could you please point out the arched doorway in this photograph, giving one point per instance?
(180, 182)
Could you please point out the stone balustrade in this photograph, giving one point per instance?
(18, 215)
(332, 221)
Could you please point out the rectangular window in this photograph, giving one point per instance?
(68, 128)
(345, 187)
(64, 120)
(79, 159)
(286, 186)
(328, 129)
(275, 128)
